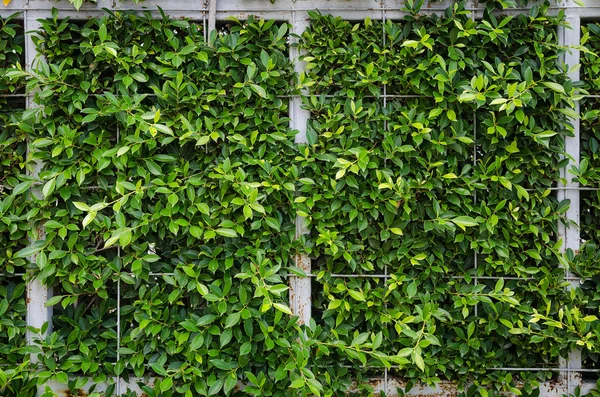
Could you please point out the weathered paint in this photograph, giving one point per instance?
(300, 287)
(570, 235)
(37, 293)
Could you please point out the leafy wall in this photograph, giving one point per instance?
(443, 182)
(171, 184)
(14, 226)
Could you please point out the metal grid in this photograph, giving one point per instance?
(570, 368)
(300, 287)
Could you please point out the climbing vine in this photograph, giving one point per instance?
(170, 185)
(432, 151)
(13, 211)
(166, 196)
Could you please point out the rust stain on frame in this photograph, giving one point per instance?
(300, 291)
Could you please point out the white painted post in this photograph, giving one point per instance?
(300, 288)
(212, 16)
(37, 293)
(570, 234)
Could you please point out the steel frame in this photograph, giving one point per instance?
(295, 12)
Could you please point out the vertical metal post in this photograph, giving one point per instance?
(204, 26)
(385, 127)
(212, 16)
(118, 380)
(37, 293)
(570, 234)
(300, 287)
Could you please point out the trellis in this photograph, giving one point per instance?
(295, 13)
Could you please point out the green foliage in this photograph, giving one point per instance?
(14, 213)
(167, 196)
(455, 164)
(171, 184)
(166, 173)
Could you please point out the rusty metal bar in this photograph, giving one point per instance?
(37, 293)
(212, 15)
(300, 287)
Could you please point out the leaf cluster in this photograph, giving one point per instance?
(432, 150)
(170, 184)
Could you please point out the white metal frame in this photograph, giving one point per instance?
(295, 12)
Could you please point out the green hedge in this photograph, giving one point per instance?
(14, 212)
(419, 185)
(171, 185)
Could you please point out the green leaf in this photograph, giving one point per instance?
(226, 232)
(163, 128)
(230, 383)
(81, 206)
(259, 90)
(554, 87)
(48, 188)
(451, 115)
(232, 319)
(216, 387)
(358, 295)
(273, 223)
(21, 188)
(166, 384)
(54, 300)
(88, 218)
(283, 308)
(418, 360)
(205, 320)
(410, 43)
(30, 250)
(139, 77)
(464, 221)
(521, 192)
(360, 339)
(197, 342)
(196, 231)
(102, 33)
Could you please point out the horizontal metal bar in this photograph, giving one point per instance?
(348, 275)
(91, 187)
(497, 278)
(552, 369)
(568, 188)
(288, 9)
(382, 96)
(391, 96)
(512, 278)
(400, 9)
(334, 275)
(101, 11)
